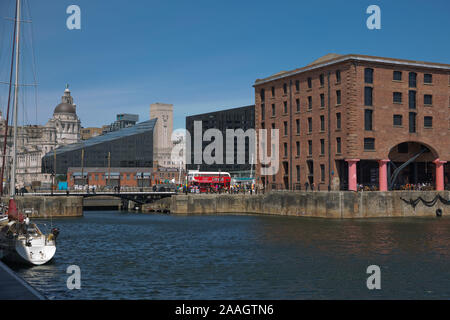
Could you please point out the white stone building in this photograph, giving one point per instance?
(34, 141)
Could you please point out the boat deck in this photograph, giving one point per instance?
(12, 287)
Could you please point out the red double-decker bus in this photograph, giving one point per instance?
(209, 181)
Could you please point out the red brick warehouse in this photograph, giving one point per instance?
(345, 120)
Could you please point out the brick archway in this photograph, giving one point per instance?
(414, 165)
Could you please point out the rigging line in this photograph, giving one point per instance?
(21, 85)
(33, 60)
(9, 100)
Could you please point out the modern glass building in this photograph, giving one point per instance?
(235, 118)
(128, 147)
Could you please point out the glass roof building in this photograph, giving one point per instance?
(128, 147)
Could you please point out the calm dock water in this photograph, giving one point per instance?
(138, 256)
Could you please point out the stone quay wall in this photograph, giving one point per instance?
(338, 204)
(46, 207)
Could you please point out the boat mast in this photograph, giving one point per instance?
(5, 139)
(12, 187)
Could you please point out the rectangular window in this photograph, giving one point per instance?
(285, 124)
(322, 123)
(369, 144)
(338, 145)
(273, 92)
(284, 88)
(398, 119)
(412, 79)
(397, 97)
(309, 102)
(273, 110)
(310, 147)
(368, 119)
(397, 76)
(322, 82)
(368, 75)
(412, 99)
(428, 78)
(297, 85)
(428, 122)
(428, 99)
(285, 107)
(298, 173)
(338, 76)
(309, 83)
(273, 125)
(338, 121)
(322, 100)
(297, 144)
(338, 97)
(297, 125)
(412, 122)
(297, 102)
(263, 111)
(309, 125)
(262, 95)
(368, 96)
(285, 150)
(322, 172)
(322, 146)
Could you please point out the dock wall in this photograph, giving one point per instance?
(47, 206)
(339, 204)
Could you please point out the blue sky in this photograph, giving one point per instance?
(200, 55)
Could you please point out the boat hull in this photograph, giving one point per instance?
(18, 252)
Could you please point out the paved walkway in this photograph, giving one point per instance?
(12, 287)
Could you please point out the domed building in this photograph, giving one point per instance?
(34, 141)
(66, 121)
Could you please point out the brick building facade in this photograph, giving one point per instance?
(347, 120)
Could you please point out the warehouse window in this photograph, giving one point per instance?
(368, 75)
(428, 122)
(338, 121)
(338, 97)
(338, 76)
(285, 107)
(428, 99)
(338, 145)
(309, 83)
(321, 77)
(297, 102)
(368, 96)
(297, 85)
(322, 123)
(322, 100)
(428, 78)
(297, 125)
(397, 97)
(368, 114)
(397, 76)
(297, 144)
(412, 99)
(322, 146)
(273, 110)
(322, 172)
(412, 79)
(412, 122)
(310, 147)
(284, 88)
(398, 118)
(309, 125)
(273, 91)
(309, 102)
(369, 144)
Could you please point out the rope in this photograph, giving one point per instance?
(431, 203)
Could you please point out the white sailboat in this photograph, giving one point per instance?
(20, 240)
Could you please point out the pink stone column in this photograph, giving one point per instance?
(439, 174)
(352, 176)
(383, 174)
